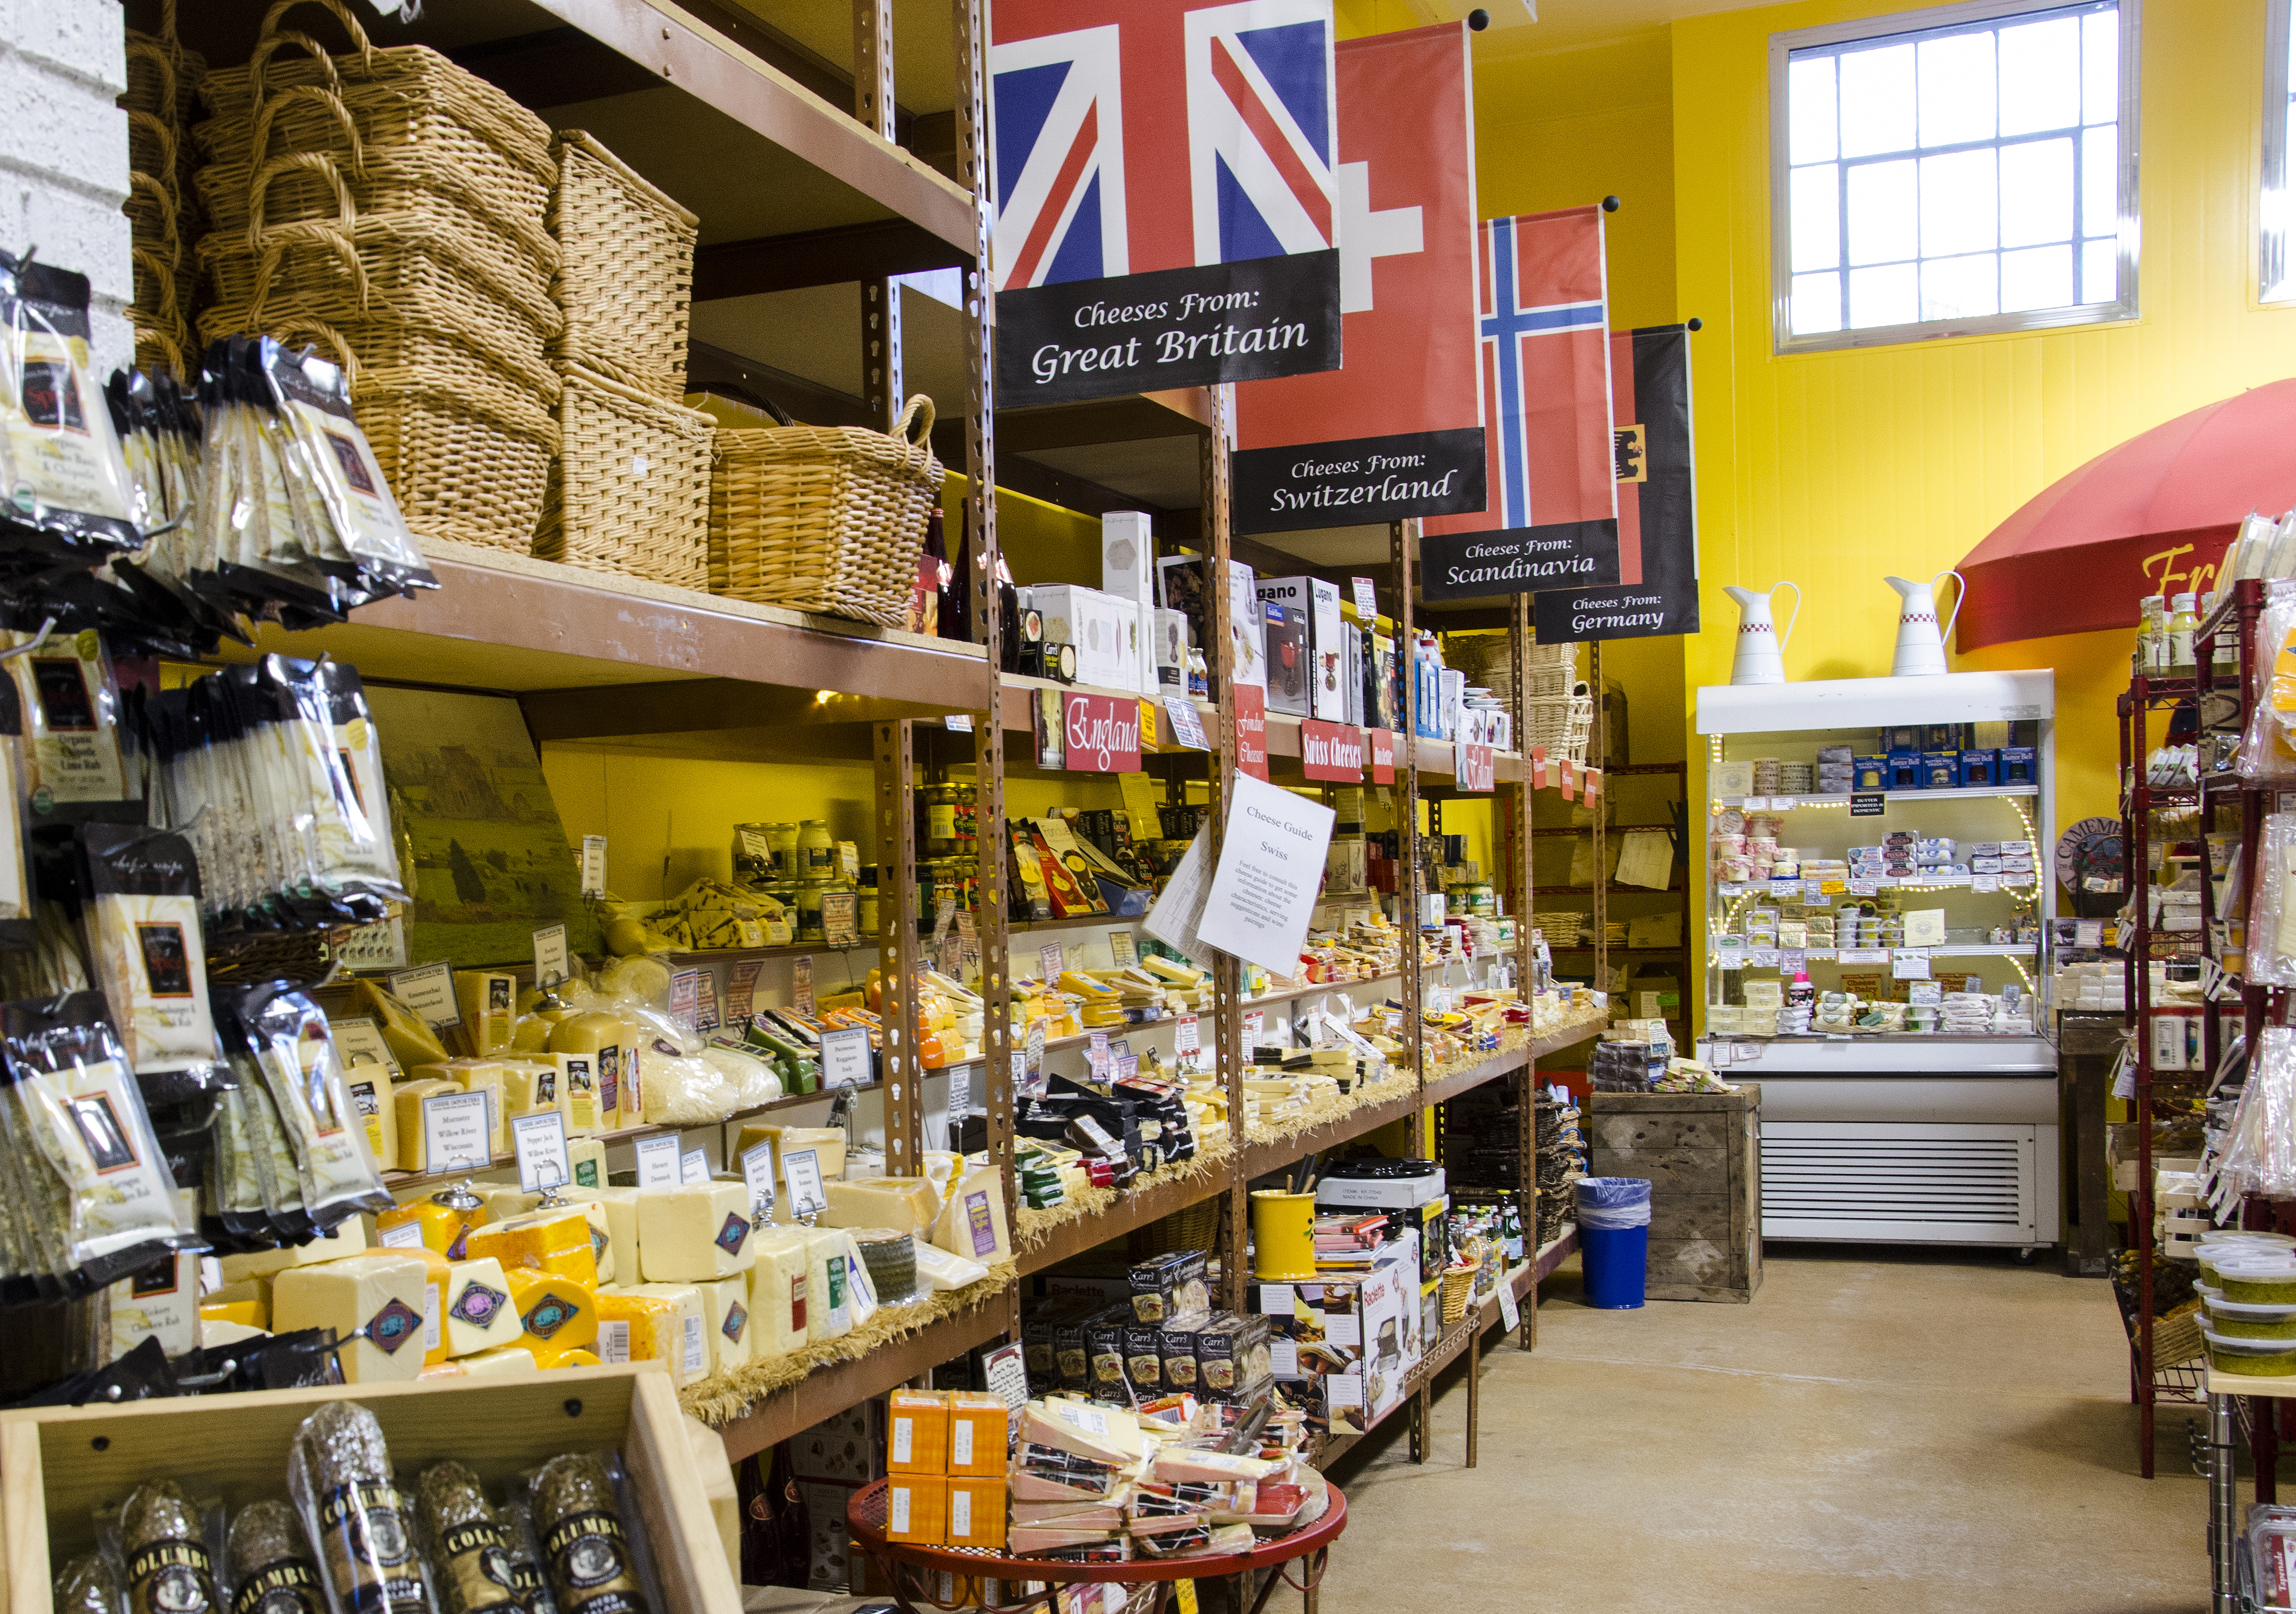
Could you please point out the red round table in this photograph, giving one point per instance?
(908, 1564)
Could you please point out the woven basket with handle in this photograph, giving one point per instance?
(828, 519)
(1458, 1284)
(632, 491)
(626, 269)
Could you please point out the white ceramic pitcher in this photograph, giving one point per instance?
(1921, 641)
(1759, 658)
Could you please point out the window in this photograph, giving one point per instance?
(1974, 170)
(2275, 274)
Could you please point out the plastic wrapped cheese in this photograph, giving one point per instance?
(725, 1313)
(904, 1204)
(779, 1282)
(693, 1233)
(829, 1307)
(691, 1358)
(378, 1298)
(973, 1224)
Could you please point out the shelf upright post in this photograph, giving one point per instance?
(1227, 973)
(1403, 550)
(897, 948)
(995, 910)
(881, 295)
(2136, 951)
(1523, 892)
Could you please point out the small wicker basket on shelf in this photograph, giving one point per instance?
(1458, 1288)
(826, 519)
(631, 493)
(625, 268)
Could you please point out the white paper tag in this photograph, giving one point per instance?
(1910, 964)
(904, 1440)
(434, 1321)
(694, 1167)
(406, 1235)
(801, 986)
(1284, 1358)
(1509, 1308)
(897, 1508)
(697, 1347)
(802, 1169)
(1123, 949)
(550, 958)
(1183, 1035)
(960, 1447)
(455, 1132)
(614, 1342)
(658, 1162)
(430, 992)
(845, 1057)
(1366, 600)
(1049, 962)
(1276, 1299)
(758, 1173)
(1187, 728)
(539, 1141)
(594, 865)
(960, 722)
(1096, 1054)
(960, 1091)
(1982, 883)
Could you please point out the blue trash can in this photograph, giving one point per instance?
(1614, 1240)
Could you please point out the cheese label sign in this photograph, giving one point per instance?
(1330, 750)
(1382, 756)
(430, 992)
(1187, 729)
(1102, 734)
(1477, 768)
(1251, 729)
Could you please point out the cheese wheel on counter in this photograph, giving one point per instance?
(553, 1312)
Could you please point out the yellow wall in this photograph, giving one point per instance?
(1835, 469)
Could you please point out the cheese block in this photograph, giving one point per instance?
(777, 1291)
(217, 1330)
(973, 1224)
(904, 1204)
(369, 1088)
(1102, 1433)
(694, 1232)
(977, 1426)
(977, 1508)
(379, 1297)
(431, 1220)
(829, 1307)
(533, 1083)
(639, 1328)
(916, 1508)
(916, 1431)
(725, 1312)
(506, 1204)
(530, 1033)
(411, 1040)
(506, 1359)
(347, 1240)
(690, 1358)
(256, 1289)
(406, 1099)
(578, 1073)
(552, 1312)
(616, 1210)
(434, 1300)
(1179, 1464)
(599, 1040)
(160, 1303)
(585, 1157)
(477, 1312)
(489, 1000)
(477, 1075)
(249, 1314)
(556, 1240)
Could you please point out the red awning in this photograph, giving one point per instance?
(2151, 516)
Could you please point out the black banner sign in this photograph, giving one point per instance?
(1191, 327)
(1524, 560)
(1867, 805)
(1362, 480)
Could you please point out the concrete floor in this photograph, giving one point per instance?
(1902, 1431)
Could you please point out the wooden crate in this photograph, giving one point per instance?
(56, 1463)
(1702, 1153)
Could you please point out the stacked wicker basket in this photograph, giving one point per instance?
(391, 207)
(163, 81)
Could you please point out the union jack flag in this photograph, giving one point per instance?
(1546, 372)
(1238, 97)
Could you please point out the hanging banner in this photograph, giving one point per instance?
(1657, 594)
(1167, 205)
(1553, 519)
(1398, 430)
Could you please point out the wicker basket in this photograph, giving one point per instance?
(159, 100)
(632, 490)
(1458, 1286)
(826, 519)
(1558, 722)
(624, 269)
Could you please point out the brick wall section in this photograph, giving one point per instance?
(63, 153)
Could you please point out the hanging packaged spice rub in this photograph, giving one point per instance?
(75, 766)
(69, 499)
(349, 522)
(280, 1036)
(20, 926)
(144, 942)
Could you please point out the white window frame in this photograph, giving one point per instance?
(2275, 282)
(1876, 28)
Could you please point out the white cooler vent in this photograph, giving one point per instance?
(1970, 1184)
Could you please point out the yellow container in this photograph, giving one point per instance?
(1283, 1235)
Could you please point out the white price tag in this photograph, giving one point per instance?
(1509, 1309)
(693, 1166)
(958, 722)
(1910, 964)
(1050, 961)
(539, 1141)
(455, 1132)
(1187, 728)
(550, 957)
(1097, 1053)
(1863, 887)
(1005, 1371)
(594, 865)
(845, 1058)
(1366, 600)
(406, 1235)
(758, 1173)
(1183, 1035)
(658, 1162)
(2088, 933)
(430, 992)
(1033, 1055)
(801, 986)
(1254, 1024)
(1980, 883)
(1276, 1299)
(1758, 804)
(1123, 949)
(960, 1091)
(802, 1169)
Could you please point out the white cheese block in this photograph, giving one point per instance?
(732, 1333)
(347, 1240)
(585, 1157)
(778, 1285)
(219, 1333)
(829, 1304)
(690, 1360)
(694, 1233)
(506, 1359)
(477, 1311)
(615, 1209)
(971, 1224)
(904, 1204)
(382, 1295)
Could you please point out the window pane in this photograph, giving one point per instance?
(2100, 181)
(1959, 288)
(2038, 277)
(1956, 92)
(1958, 210)
(2040, 76)
(1884, 297)
(1815, 214)
(2101, 66)
(1817, 304)
(2100, 271)
(2036, 192)
(1882, 198)
(1810, 110)
(1877, 101)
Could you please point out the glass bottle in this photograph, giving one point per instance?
(816, 852)
(2184, 622)
(2151, 653)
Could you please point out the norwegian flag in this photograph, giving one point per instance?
(1237, 98)
(1546, 371)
